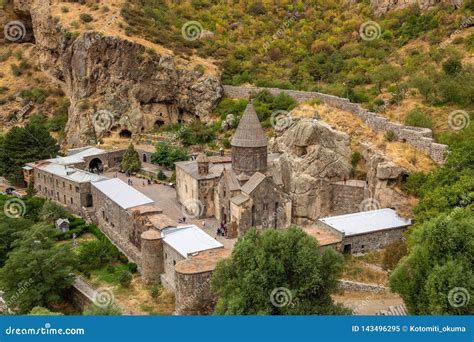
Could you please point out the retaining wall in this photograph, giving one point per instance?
(420, 138)
(354, 286)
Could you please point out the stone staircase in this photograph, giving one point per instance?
(395, 310)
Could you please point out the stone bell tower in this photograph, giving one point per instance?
(249, 146)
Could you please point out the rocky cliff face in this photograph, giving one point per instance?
(115, 84)
(384, 6)
(314, 157)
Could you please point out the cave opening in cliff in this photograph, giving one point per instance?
(125, 133)
(159, 123)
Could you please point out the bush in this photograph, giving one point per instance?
(110, 310)
(197, 133)
(393, 253)
(155, 290)
(126, 279)
(417, 118)
(95, 254)
(390, 136)
(132, 267)
(161, 176)
(356, 157)
(86, 18)
(167, 155)
(452, 66)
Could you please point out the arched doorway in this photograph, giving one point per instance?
(96, 166)
(125, 133)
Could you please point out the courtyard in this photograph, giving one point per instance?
(165, 198)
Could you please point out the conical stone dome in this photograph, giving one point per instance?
(249, 133)
(249, 145)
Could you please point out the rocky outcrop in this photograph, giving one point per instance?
(384, 6)
(384, 180)
(116, 84)
(314, 164)
(313, 155)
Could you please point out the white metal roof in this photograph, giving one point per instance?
(76, 175)
(189, 239)
(366, 221)
(77, 157)
(122, 193)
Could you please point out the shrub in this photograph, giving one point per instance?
(161, 176)
(390, 136)
(126, 279)
(132, 267)
(196, 133)
(167, 155)
(417, 118)
(356, 157)
(109, 310)
(414, 182)
(393, 253)
(64, 9)
(155, 290)
(452, 66)
(86, 18)
(37, 95)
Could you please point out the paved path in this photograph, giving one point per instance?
(165, 198)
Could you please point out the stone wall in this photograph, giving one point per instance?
(347, 198)
(71, 194)
(118, 224)
(170, 259)
(193, 294)
(420, 138)
(354, 286)
(371, 241)
(145, 156)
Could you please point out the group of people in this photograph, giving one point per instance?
(222, 230)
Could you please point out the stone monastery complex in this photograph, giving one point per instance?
(241, 191)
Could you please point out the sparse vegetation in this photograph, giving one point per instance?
(86, 18)
(390, 136)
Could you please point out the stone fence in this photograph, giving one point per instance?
(354, 286)
(420, 138)
(83, 294)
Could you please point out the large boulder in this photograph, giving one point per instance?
(313, 155)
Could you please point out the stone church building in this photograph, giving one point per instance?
(244, 192)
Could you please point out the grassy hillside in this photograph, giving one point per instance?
(410, 59)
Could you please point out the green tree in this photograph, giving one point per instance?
(439, 264)
(131, 160)
(264, 263)
(22, 145)
(384, 74)
(167, 155)
(41, 268)
(9, 227)
(52, 211)
(196, 133)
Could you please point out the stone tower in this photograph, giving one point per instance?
(249, 145)
(203, 164)
(152, 256)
